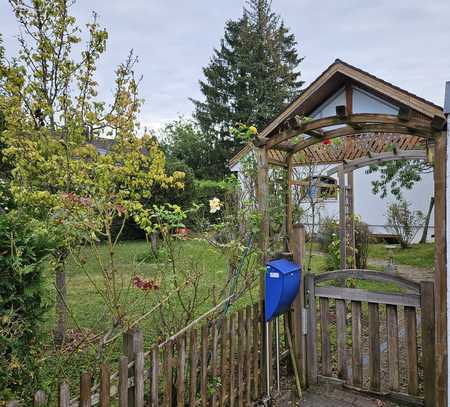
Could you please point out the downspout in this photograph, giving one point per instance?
(447, 115)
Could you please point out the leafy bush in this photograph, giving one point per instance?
(24, 247)
(403, 221)
(327, 230)
(361, 244)
(328, 239)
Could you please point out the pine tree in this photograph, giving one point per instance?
(251, 77)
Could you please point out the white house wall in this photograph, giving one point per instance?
(371, 208)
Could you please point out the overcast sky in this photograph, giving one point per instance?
(406, 42)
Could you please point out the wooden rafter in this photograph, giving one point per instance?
(350, 166)
(356, 121)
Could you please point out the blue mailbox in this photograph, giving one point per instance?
(282, 284)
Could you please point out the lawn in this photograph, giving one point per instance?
(418, 255)
(90, 317)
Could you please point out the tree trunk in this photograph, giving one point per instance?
(154, 242)
(61, 312)
(423, 239)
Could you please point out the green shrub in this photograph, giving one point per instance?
(24, 247)
(328, 239)
(327, 231)
(361, 244)
(404, 222)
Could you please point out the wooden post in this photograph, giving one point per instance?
(440, 219)
(39, 399)
(105, 385)
(262, 195)
(342, 218)
(311, 339)
(297, 243)
(63, 395)
(351, 213)
(428, 340)
(289, 203)
(85, 389)
(133, 342)
(123, 382)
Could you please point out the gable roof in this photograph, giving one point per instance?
(331, 80)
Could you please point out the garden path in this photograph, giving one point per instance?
(330, 396)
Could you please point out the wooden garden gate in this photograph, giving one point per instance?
(376, 342)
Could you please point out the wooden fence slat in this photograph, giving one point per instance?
(428, 343)
(132, 343)
(248, 355)
(232, 347)
(374, 347)
(181, 367)
(214, 368)
(85, 389)
(223, 361)
(255, 352)
(123, 381)
(193, 362)
(168, 374)
(356, 294)
(139, 379)
(39, 399)
(392, 347)
(105, 385)
(154, 386)
(411, 340)
(325, 336)
(357, 366)
(63, 395)
(341, 315)
(311, 340)
(204, 366)
(240, 356)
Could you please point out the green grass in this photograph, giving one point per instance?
(419, 255)
(89, 316)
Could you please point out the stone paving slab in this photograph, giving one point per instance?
(330, 396)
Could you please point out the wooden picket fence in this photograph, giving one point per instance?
(216, 364)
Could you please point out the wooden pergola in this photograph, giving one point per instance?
(413, 128)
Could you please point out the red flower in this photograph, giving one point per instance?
(326, 142)
(144, 284)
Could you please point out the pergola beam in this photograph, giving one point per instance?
(372, 128)
(350, 166)
(359, 121)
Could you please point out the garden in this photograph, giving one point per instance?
(106, 227)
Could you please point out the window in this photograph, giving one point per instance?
(319, 188)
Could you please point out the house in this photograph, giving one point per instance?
(341, 85)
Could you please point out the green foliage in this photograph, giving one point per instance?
(397, 175)
(328, 239)
(333, 254)
(361, 244)
(403, 221)
(184, 142)
(205, 190)
(327, 231)
(24, 246)
(252, 76)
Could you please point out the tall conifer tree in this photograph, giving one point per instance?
(251, 77)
